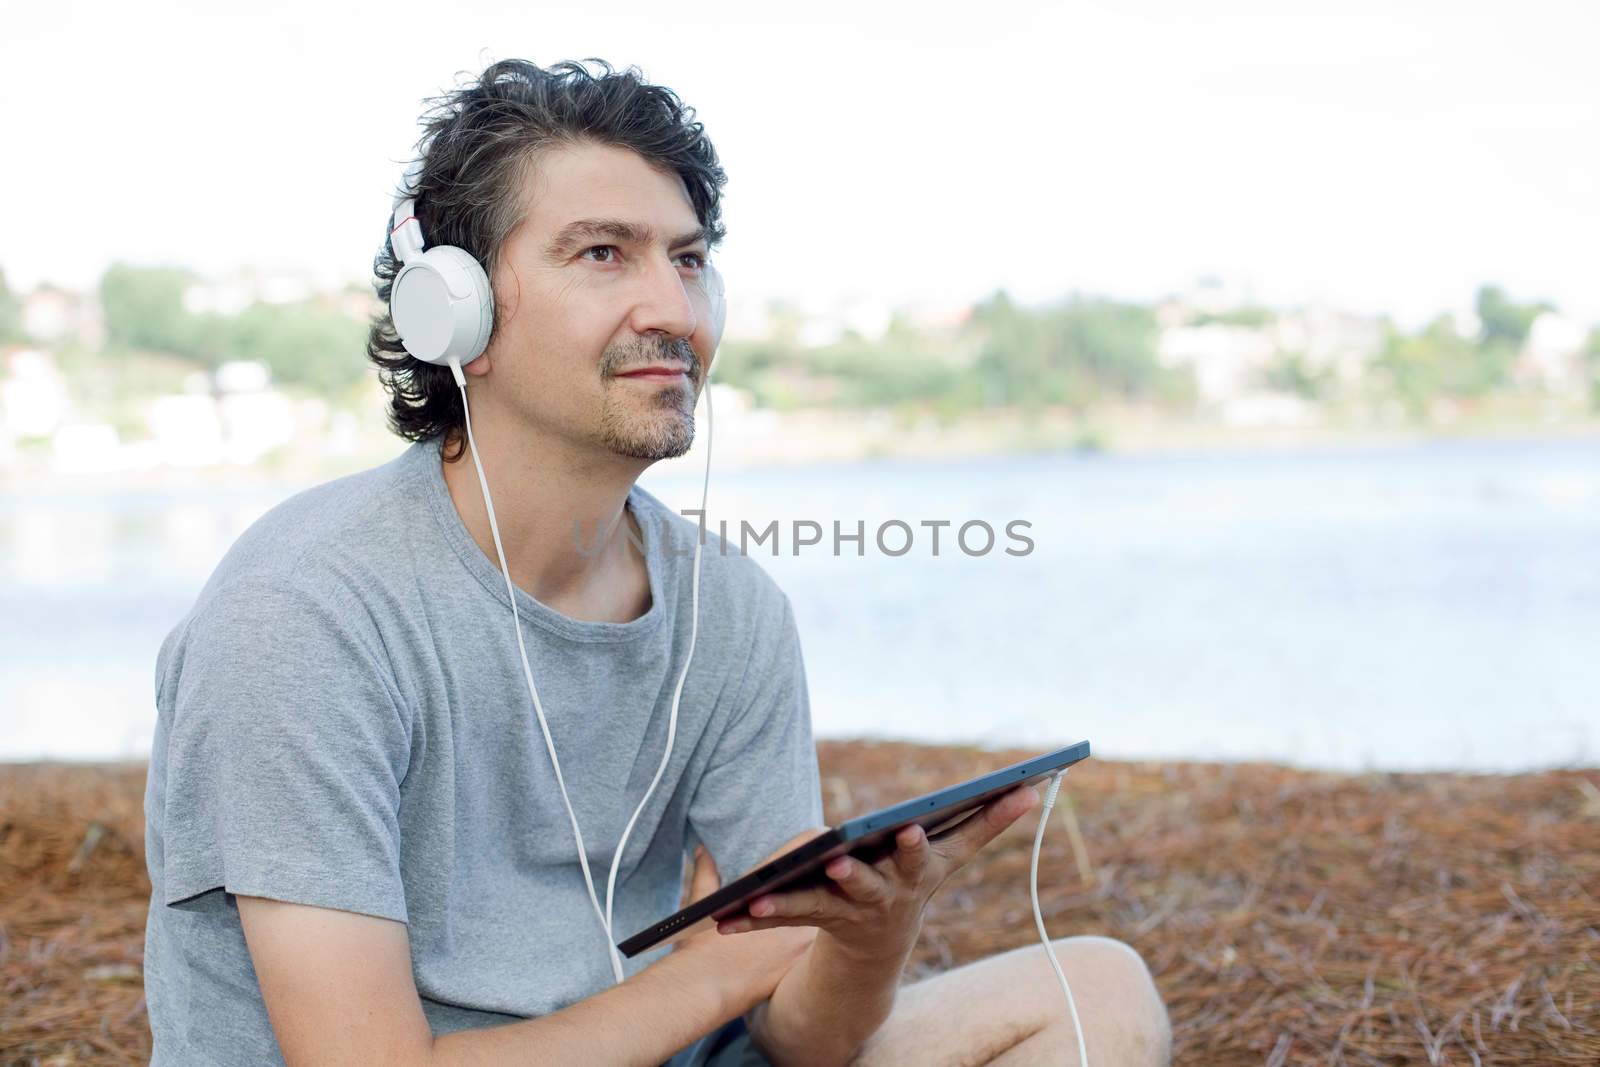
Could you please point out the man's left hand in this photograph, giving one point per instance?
(874, 910)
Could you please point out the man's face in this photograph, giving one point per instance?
(582, 312)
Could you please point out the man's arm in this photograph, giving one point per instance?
(825, 1008)
(339, 990)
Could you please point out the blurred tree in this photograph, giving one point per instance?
(761, 366)
(1011, 363)
(208, 339)
(1504, 321)
(300, 344)
(1438, 361)
(1248, 315)
(306, 343)
(898, 369)
(1591, 362)
(1072, 354)
(1114, 344)
(144, 310)
(11, 331)
(1291, 372)
(1077, 353)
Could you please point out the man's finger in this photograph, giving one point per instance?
(859, 881)
(964, 842)
(800, 907)
(912, 852)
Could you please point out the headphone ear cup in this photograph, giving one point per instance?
(719, 298)
(443, 306)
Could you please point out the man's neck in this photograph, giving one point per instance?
(562, 517)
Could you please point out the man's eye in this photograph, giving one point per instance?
(699, 260)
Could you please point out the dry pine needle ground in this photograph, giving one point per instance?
(1289, 916)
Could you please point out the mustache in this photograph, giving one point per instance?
(677, 353)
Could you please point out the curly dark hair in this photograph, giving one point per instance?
(479, 143)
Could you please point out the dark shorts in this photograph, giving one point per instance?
(728, 1047)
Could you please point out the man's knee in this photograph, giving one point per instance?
(1017, 998)
(1116, 979)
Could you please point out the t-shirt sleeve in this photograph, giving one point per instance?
(761, 786)
(287, 745)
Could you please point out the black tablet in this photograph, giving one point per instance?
(869, 838)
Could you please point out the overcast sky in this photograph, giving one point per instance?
(1382, 156)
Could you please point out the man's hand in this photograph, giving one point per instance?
(753, 965)
(873, 911)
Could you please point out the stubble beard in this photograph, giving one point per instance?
(654, 425)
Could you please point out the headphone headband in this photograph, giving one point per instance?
(405, 231)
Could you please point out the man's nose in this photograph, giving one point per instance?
(663, 303)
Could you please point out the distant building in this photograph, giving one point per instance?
(242, 376)
(232, 417)
(936, 315)
(815, 324)
(52, 314)
(1264, 408)
(1226, 360)
(255, 418)
(825, 323)
(1552, 356)
(86, 448)
(187, 429)
(33, 394)
(1230, 359)
(1464, 320)
(232, 293)
(1340, 342)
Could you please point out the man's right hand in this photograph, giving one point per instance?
(750, 964)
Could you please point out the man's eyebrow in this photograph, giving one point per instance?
(574, 233)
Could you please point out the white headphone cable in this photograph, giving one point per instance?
(1038, 917)
(527, 672)
(694, 630)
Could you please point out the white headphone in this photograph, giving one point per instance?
(443, 310)
(441, 302)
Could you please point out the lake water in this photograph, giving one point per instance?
(1426, 605)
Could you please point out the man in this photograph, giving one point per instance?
(358, 848)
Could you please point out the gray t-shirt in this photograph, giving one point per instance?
(344, 722)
